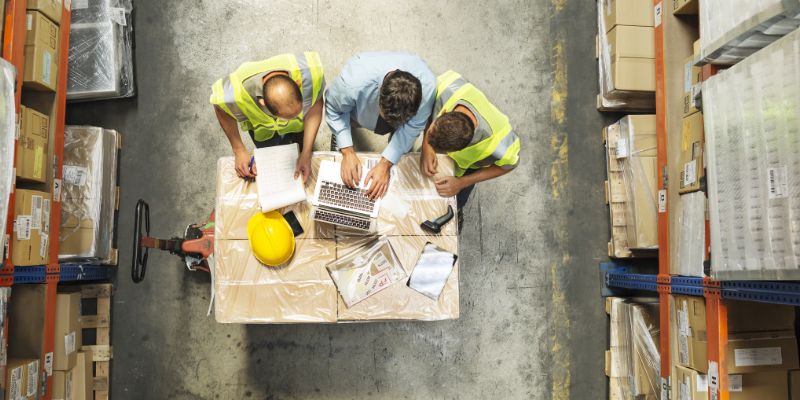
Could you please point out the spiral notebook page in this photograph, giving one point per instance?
(275, 180)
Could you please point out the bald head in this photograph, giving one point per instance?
(282, 97)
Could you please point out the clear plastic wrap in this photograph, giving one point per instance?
(693, 234)
(637, 150)
(752, 121)
(731, 30)
(635, 357)
(8, 129)
(89, 194)
(611, 98)
(101, 50)
(303, 291)
(5, 293)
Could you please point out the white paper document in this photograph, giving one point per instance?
(275, 179)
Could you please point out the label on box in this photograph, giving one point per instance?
(683, 320)
(33, 378)
(622, 148)
(80, 4)
(662, 201)
(36, 212)
(68, 388)
(683, 349)
(56, 190)
(734, 383)
(657, 14)
(685, 390)
(776, 182)
(48, 363)
(38, 156)
(47, 60)
(665, 388)
(758, 356)
(29, 22)
(117, 15)
(43, 244)
(75, 175)
(690, 173)
(713, 378)
(23, 227)
(702, 383)
(687, 77)
(46, 216)
(69, 343)
(15, 384)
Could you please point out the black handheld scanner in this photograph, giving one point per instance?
(436, 225)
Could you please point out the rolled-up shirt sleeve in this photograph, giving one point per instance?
(405, 136)
(339, 103)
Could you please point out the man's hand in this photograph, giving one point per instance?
(449, 186)
(351, 168)
(303, 167)
(242, 164)
(378, 179)
(429, 163)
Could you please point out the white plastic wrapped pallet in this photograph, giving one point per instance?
(693, 234)
(634, 349)
(8, 130)
(752, 124)
(637, 149)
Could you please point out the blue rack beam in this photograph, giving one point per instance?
(78, 272)
(35, 274)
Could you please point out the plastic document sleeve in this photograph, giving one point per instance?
(432, 270)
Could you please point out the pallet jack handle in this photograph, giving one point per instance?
(142, 220)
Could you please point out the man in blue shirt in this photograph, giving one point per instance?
(385, 93)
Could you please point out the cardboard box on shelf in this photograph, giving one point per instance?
(750, 316)
(692, 143)
(62, 385)
(689, 313)
(634, 74)
(794, 384)
(689, 384)
(50, 8)
(691, 86)
(761, 351)
(627, 12)
(41, 53)
(32, 145)
(82, 377)
(31, 240)
(685, 7)
(67, 331)
(632, 42)
(22, 379)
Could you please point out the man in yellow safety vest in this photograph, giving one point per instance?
(473, 132)
(278, 101)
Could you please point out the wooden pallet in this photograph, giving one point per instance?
(101, 351)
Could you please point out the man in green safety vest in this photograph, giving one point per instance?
(473, 132)
(278, 101)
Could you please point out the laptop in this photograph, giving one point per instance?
(335, 203)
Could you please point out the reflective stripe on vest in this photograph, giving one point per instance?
(230, 95)
(501, 148)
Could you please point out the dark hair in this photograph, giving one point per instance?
(400, 97)
(275, 82)
(452, 131)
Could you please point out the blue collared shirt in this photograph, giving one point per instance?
(354, 94)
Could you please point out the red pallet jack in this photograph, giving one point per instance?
(194, 248)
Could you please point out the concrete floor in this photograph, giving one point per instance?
(532, 323)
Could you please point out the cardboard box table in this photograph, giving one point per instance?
(302, 291)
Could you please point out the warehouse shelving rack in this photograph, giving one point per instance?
(52, 273)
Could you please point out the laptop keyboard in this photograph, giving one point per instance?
(342, 220)
(340, 195)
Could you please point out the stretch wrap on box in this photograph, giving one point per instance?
(636, 153)
(101, 50)
(246, 291)
(88, 194)
(635, 357)
(731, 30)
(8, 130)
(752, 125)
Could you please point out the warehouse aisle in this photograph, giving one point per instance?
(532, 324)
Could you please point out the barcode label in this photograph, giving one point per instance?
(48, 363)
(43, 245)
(622, 148)
(683, 320)
(657, 14)
(685, 391)
(36, 212)
(68, 389)
(56, 190)
(80, 4)
(734, 383)
(117, 15)
(46, 216)
(69, 343)
(776, 183)
(75, 175)
(29, 22)
(23, 227)
(15, 386)
(33, 378)
(662, 201)
(690, 173)
(757, 356)
(702, 383)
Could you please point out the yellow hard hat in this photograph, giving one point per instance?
(271, 238)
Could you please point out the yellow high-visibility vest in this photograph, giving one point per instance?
(230, 95)
(501, 148)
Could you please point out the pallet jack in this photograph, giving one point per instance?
(194, 248)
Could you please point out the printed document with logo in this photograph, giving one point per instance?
(275, 179)
(366, 271)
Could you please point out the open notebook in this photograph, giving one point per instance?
(275, 180)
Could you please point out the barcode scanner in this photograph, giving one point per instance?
(436, 225)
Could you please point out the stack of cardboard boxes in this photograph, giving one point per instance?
(632, 361)
(72, 366)
(761, 358)
(42, 45)
(626, 50)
